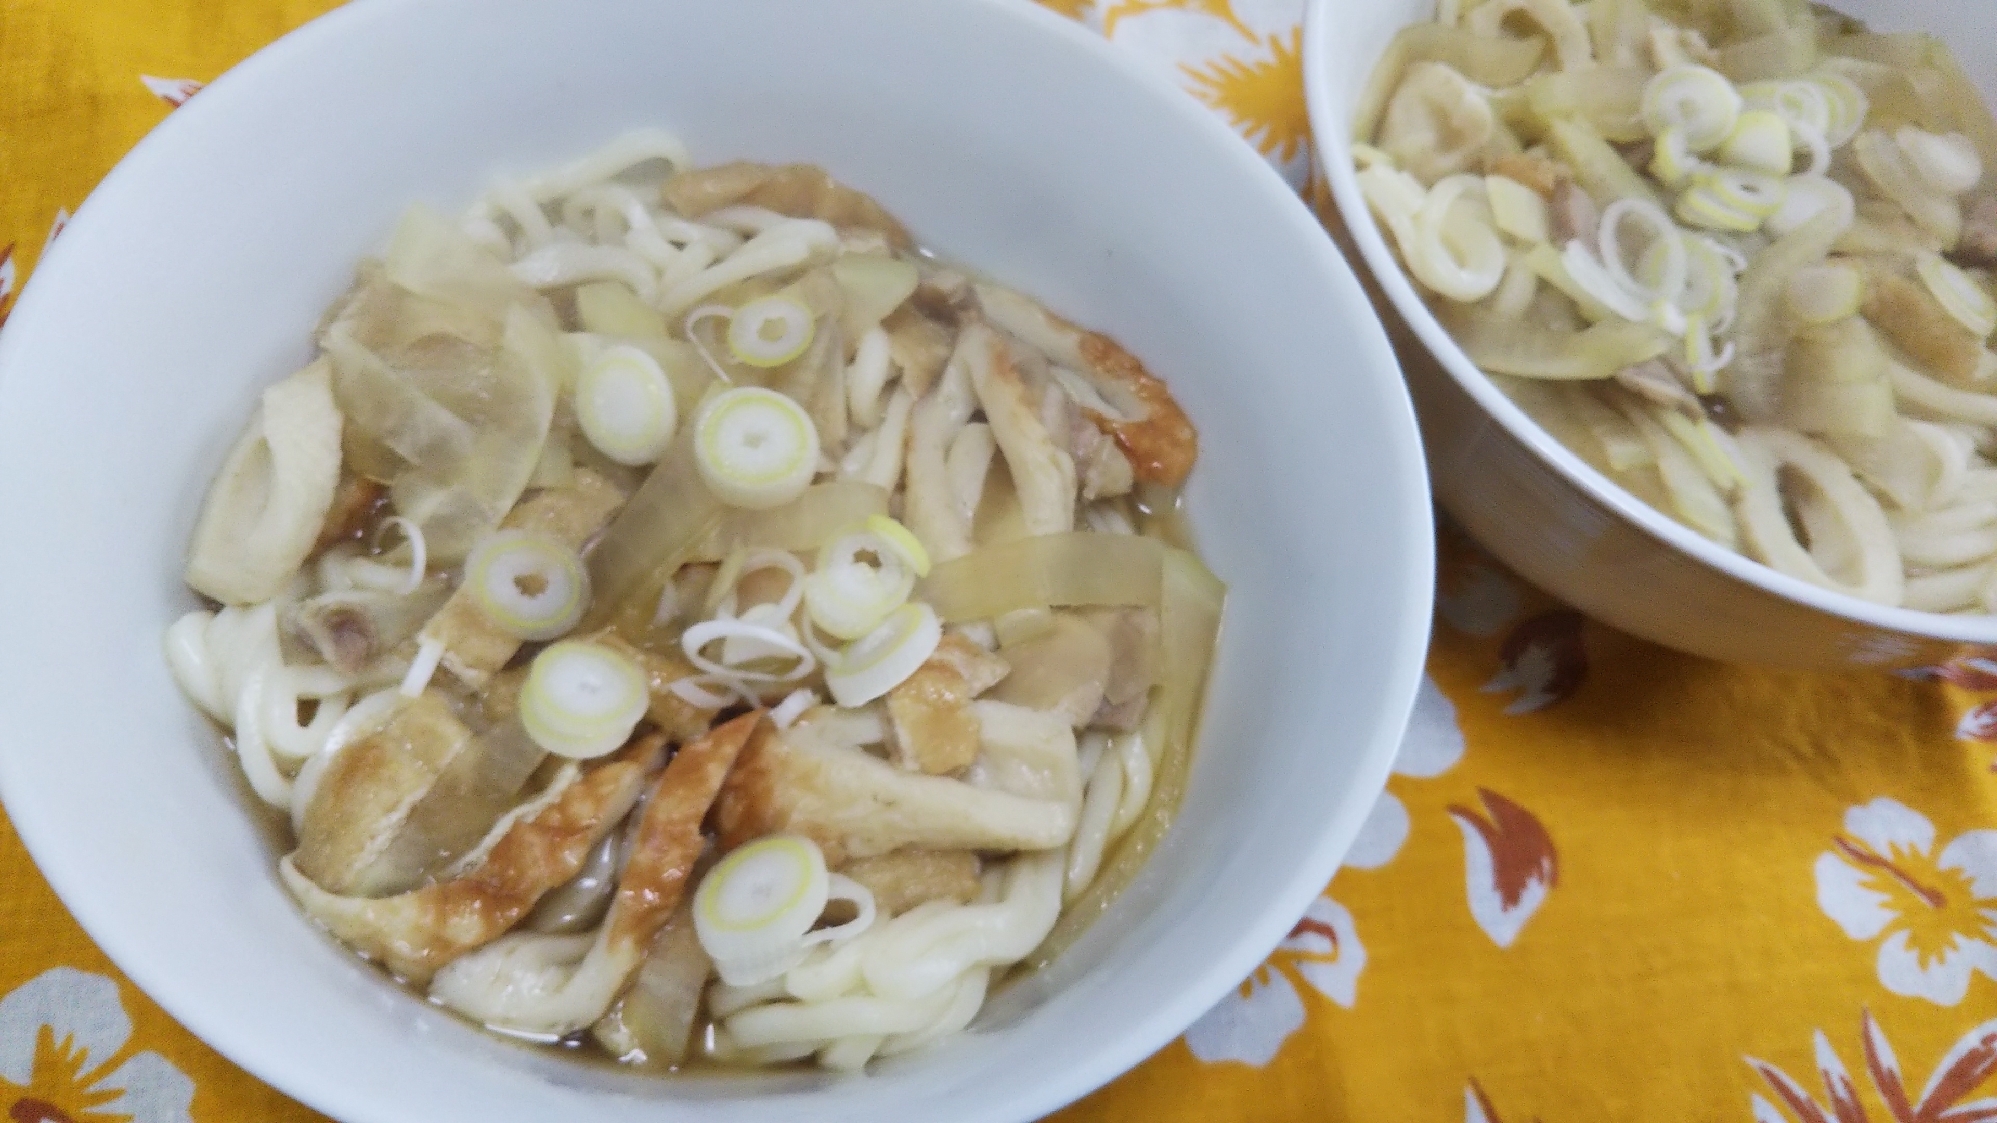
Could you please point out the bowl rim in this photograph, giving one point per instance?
(1334, 155)
(1404, 469)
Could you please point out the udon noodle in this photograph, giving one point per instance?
(1736, 254)
(675, 613)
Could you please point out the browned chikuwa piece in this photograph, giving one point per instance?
(417, 932)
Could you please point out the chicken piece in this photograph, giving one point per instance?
(1978, 243)
(357, 502)
(368, 792)
(351, 628)
(1133, 635)
(929, 506)
(1064, 670)
(1042, 473)
(1102, 469)
(414, 934)
(944, 294)
(906, 878)
(854, 805)
(1140, 413)
(681, 720)
(1573, 214)
(797, 190)
(1537, 172)
(1905, 312)
(529, 982)
(475, 648)
(934, 730)
(918, 346)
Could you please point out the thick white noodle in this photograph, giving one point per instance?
(1880, 576)
(637, 147)
(782, 246)
(966, 465)
(1950, 590)
(566, 263)
(1100, 801)
(868, 375)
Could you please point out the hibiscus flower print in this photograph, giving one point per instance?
(1544, 659)
(7, 274)
(1934, 914)
(173, 91)
(1249, 1026)
(63, 1057)
(1243, 58)
(1944, 1099)
(1509, 864)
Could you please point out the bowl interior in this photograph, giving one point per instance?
(1344, 40)
(194, 276)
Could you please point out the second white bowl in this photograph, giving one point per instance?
(1543, 510)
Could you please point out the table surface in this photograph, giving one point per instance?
(1607, 881)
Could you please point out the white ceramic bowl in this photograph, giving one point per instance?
(1542, 509)
(1004, 135)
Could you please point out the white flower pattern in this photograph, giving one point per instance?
(1935, 915)
(1432, 746)
(1249, 1026)
(63, 1037)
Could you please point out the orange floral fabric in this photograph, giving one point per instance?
(1606, 882)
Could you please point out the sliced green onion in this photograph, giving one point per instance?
(529, 584)
(1959, 293)
(764, 643)
(1699, 356)
(1809, 196)
(786, 712)
(1710, 288)
(1846, 103)
(755, 909)
(1702, 206)
(691, 325)
(1671, 161)
(901, 540)
(755, 448)
(582, 700)
(878, 662)
(624, 403)
(849, 597)
(770, 331)
(1588, 274)
(1693, 98)
(1949, 164)
(1748, 192)
(1761, 142)
(1800, 104)
(1455, 252)
(1823, 294)
(1666, 250)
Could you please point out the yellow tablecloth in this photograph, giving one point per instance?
(1607, 882)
